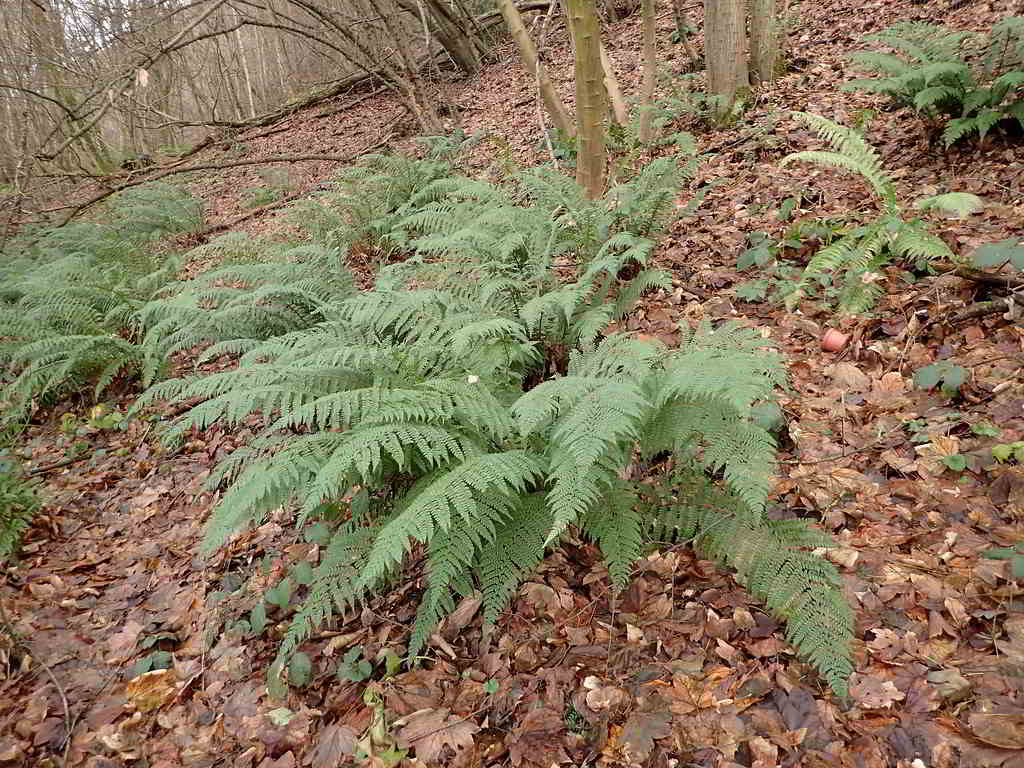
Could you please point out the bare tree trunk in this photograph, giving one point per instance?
(764, 41)
(725, 51)
(247, 75)
(683, 32)
(650, 61)
(591, 158)
(619, 109)
(528, 52)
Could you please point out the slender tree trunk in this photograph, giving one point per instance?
(764, 41)
(528, 52)
(650, 62)
(457, 40)
(683, 33)
(246, 74)
(725, 51)
(620, 112)
(591, 158)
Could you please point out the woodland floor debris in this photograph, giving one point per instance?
(683, 665)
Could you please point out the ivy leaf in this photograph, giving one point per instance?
(258, 618)
(994, 254)
(960, 204)
(300, 670)
(955, 461)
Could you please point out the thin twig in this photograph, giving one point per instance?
(18, 641)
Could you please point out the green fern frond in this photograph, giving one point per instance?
(475, 495)
(617, 525)
(516, 549)
(851, 152)
(796, 586)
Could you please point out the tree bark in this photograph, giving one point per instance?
(591, 157)
(619, 109)
(528, 52)
(764, 41)
(725, 52)
(650, 62)
(450, 33)
(683, 33)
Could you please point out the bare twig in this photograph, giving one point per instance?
(17, 640)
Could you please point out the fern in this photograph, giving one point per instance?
(19, 504)
(970, 85)
(245, 301)
(471, 408)
(771, 560)
(860, 255)
(68, 313)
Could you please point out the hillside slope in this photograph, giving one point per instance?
(681, 669)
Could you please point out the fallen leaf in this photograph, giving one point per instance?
(850, 377)
(333, 744)
(1004, 730)
(874, 693)
(644, 727)
(429, 731)
(151, 690)
(122, 644)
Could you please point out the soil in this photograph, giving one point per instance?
(683, 668)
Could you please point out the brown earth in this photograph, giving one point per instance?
(683, 668)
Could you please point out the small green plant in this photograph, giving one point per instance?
(1004, 452)
(918, 429)
(772, 257)
(19, 504)
(949, 377)
(353, 667)
(1014, 554)
(956, 462)
(860, 255)
(986, 429)
(949, 77)
(1009, 251)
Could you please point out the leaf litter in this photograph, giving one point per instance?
(119, 618)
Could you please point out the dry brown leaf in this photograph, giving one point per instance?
(333, 744)
(643, 728)
(429, 731)
(872, 692)
(850, 378)
(1004, 730)
(151, 690)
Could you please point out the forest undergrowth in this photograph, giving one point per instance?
(703, 470)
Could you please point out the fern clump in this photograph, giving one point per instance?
(243, 303)
(472, 409)
(970, 85)
(69, 303)
(19, 504)
(860, 255)
(361, 208)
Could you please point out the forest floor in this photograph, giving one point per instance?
(683, 668)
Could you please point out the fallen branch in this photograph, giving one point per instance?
(981, 309)
(989, 278)
(230, 224)
(164, 173)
